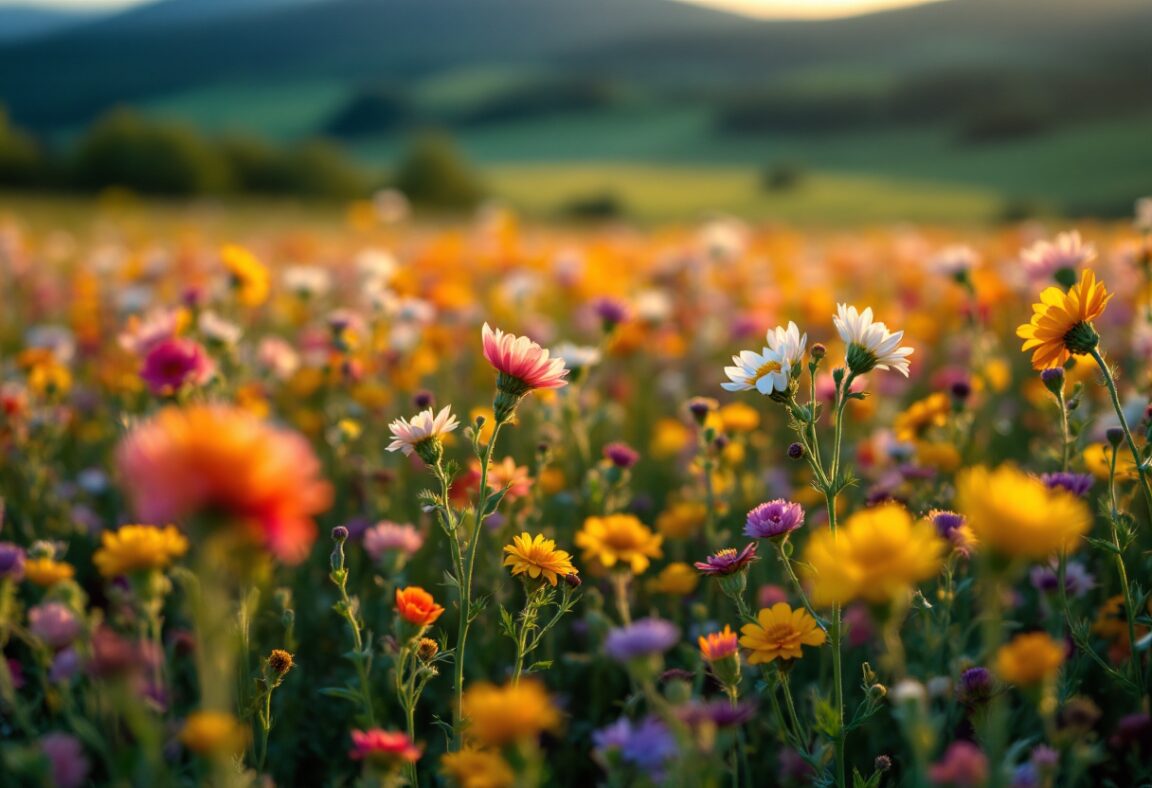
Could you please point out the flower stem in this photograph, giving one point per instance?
(1110, 382)
(1122, 571)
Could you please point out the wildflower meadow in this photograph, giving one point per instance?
(386, 500)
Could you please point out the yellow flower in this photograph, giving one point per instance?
(738, 417)
(922, 415)
(779, 633)
(1098, 460)
(942, 455)
(515, 712)
(214, 733)
(135, 548)
(1061, 323)
(876, 555)
(1016, 515)
(470, 768)
(678, 579)
(537, 556)
(249, 277)
(618, 538)
(1029, 659)
(50, 378)
(670, 437)
(682, 519)
(47, 572)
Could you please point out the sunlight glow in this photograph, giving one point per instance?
(807, 9)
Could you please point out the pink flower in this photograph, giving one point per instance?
(54, 624)
(522, 359)
(379, 745)
(389, 537)
(963, 766)
(66, 756)
(173, 363)
(1043, 260)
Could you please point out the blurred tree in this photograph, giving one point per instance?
(374, 110)
(21, 162)
(152, 157)
(434, 173)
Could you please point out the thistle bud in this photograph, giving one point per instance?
(1053, 379)
(279, 662)
(795, 452)
(1115, 436)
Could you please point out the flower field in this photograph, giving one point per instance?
(482, 503)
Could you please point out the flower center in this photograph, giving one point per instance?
(778, 633)
(767, 368)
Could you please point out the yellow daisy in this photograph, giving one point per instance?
(619, 539)
(536, 556)
(779, 633)
(136, 548)
(1061, 323)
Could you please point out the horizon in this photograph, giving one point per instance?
(770, 9)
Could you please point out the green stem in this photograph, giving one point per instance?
(1110, 382)
(1125, 585)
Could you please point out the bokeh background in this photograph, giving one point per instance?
(651, 110)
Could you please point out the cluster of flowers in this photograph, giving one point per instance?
(563, 578)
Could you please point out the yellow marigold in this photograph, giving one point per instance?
(618, 538)
(214, 733)
(470, 768)
(1061, 323)
(682, 519)
(678, 579)
(51, 378)
(778, 633)
(249, 276)
(921, 416)
(876, 555)
(1017, 515)
(47, 572)
(515, 712)
(536, 556)
(1029, 659)
(942, 455)
(135, 548)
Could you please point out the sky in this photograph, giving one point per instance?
(770, 8)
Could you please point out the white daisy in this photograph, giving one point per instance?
(787, 343)
(763, 371)
(423, 429)
(870, 344)
(577, 356)
(955, 261)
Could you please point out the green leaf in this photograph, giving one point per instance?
(341, 692)
(543, 664)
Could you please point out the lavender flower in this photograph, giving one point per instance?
(1077, 580)
(1075, 483)
(975, 686)
(11, 562)
(728, 561)
(774, 519)
(388, 537)
(718, 712)
(644, 637)
(648, 745)
(946, 522)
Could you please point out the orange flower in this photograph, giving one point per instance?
(229, 467)
(416, 606)
(719, 645)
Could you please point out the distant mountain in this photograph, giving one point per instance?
(174, 46)
(67, 78)
(21, 22)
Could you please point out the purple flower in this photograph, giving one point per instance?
(975, 686)
(66, 756)
(648, 745)
(621, 455)
(172, 363)
(1077, 580)
(11, 562)
(728, 561)
(611, 311)
(1133, 730)
(774, 519)
(642, 638)
(54, 624)
(1075, 483)
(946, 522)
(65, 665)
(718, 712)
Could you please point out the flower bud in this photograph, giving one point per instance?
(795, 451)
(1114, 435)
(1053, 379)
(279, 662)
(818, 351)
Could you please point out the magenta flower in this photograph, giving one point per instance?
(774, 519)
(173, 363)
(621, 455)
(728, 561)
(66, 755)
(963, 766)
